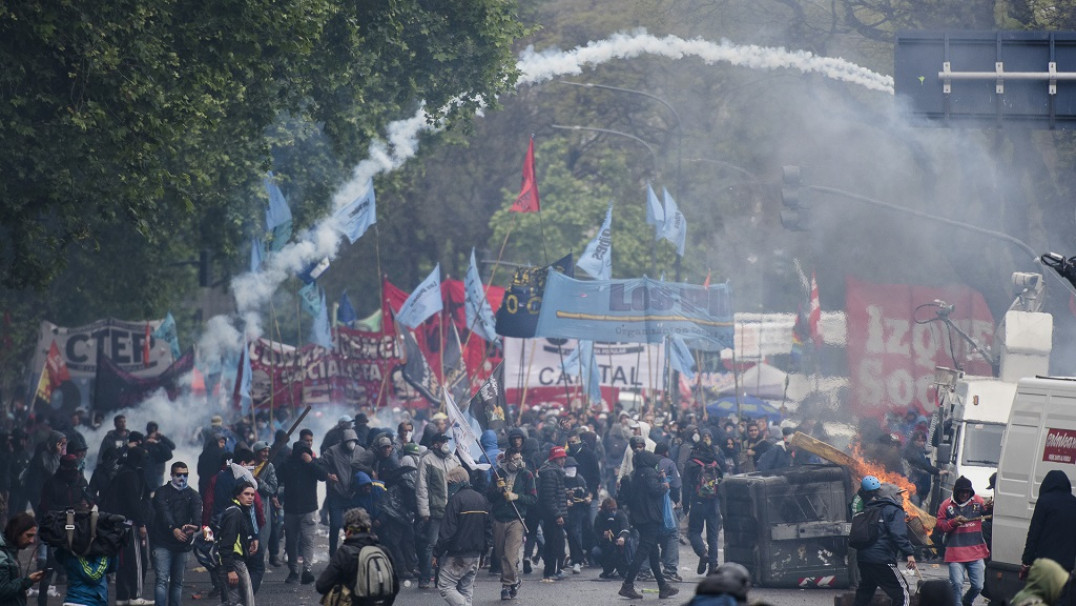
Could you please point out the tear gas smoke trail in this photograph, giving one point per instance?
(253, 290)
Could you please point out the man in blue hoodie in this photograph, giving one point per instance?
(878, 561)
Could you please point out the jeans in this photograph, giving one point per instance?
(299, 539)
(670, 550)
(975, 573)
(577, 515)
(455, 580)
(337, 506)
(428, 532)
(243, 593)
(276, 533)
(704, 513)
(169, 567)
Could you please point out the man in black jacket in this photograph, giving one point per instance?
(1052, 532)
(461, 539)
(614, 548)
(178, 511)
(646, 497)
(553, 507)
(300, 477)
(238, 541)
(128, 496)
(510, 498)
(343, 567)
(701, 503)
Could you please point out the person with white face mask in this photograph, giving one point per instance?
(341, 462)
(431, 493)
(178, 511)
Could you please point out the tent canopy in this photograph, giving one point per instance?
(749, 406)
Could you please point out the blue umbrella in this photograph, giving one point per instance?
(750, 406)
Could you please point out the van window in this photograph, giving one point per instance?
(982, 444)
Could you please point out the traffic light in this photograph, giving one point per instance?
(794, 216)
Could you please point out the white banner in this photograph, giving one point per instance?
(537, 363)
(121, 341)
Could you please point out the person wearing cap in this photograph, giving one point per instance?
(268, 486)
(300, 476)
(780, 455)
(960, 517)
(335, 435)
(431, 496)
(177, 513)
(553, 508)
(408, 544)
(362, 427)
(878, 561)
(579, 499)
(437, 426)
(340, 462)
(729, 580)
(461, 539)
(343, 568)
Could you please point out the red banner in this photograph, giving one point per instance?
(896, 338)
(1060, 446)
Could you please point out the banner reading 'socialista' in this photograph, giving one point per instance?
(896, 338)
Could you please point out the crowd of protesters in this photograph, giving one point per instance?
(559, 491)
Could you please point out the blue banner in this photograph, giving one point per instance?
(639, 310)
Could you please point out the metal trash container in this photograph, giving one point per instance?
(789, 528)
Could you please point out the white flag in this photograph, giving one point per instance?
(423, 302)
(597, 259)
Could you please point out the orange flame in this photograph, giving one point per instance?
(865, 468)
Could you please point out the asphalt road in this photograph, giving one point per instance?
(584, 589)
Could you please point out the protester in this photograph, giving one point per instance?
(922, 472)
(300, 477)
(276, 534)
(238, 541)
(510, 497)
(614, 550)
(1052, 531)
(461, 539)
(727, 585)
(128, 496)
(670, 538)
(343, 568)
(341, 461)
(67, 489)
(645, 499)
(1045, 581)
(431, 494)
(20, 532)
(578, 509)
(335, 435)
(178, 510)
(87, 577)
(878, 561)
(159, 451)
(960, 517)
(268, 486)
(553, 506)
(702, 474)
(780, 455)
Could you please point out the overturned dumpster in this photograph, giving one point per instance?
(789, 527)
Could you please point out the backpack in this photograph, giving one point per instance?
(85, 533)
(865, 528)
(709, 478)
(375, 580)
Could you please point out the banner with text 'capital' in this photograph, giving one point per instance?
(639, 310)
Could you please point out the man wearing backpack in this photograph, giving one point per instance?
(702, 474)
(361, 565)
(877, 555)
(461, 539)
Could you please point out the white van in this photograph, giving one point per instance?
(1040, 436)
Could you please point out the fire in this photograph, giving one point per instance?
(865, 468)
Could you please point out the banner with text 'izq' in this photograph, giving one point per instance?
(897, 335)
(639, 310)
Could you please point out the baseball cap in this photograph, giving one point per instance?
(557, 452)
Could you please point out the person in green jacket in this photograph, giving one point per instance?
(1045, 580)
(20, 533)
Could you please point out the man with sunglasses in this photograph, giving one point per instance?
(178, 509)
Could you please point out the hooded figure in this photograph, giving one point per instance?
(1045, 581)
(45, 463)
(340, 463)
(1052, 531)
(727, 585)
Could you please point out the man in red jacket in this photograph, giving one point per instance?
(960, 517)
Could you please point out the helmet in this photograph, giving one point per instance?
(729, 578)
(870, 483)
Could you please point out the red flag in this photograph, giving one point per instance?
(814, 315)
(706, 283)
(145, 347)
(53, 374)
(527, 201)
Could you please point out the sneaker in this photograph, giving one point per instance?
(559, 576)
(308, 577)
(645, 575)
(527, 566)
(424, 584)
(513, 591)
(293, 577)
(576, 569)
(629, 592)
(506, 594)
(275, 561)
(701, 568)
(608, 575)
(141, 602)
(667, 591)
(549, 579)
(674, 577)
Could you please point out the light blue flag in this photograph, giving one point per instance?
(423, 302)
(680, 356)
(320, 334)
(675, 228)
(570, 364)
(346, 315)
(597, 259)
(354, 219)
(589, 372)
(310, 299)
(479, 313)
(655, 214)
(278, 215)
(245, 380)
(257, 253)
(167, 332)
